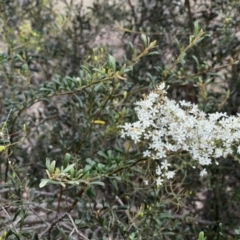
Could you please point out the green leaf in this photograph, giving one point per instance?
(74, 182)
(112, 63)
(132, 47)
(90, 162)
(196, 29)
(196, 60)
(16, 214)
(117, 178)
(122, 70)
(43, 183)
(86, 69)
(72, 173)
(99, 71)
(68, 168)
(46, 181)
(201, 236)
(48, 163)
(78, 221)
(102, 154)
(79, 173)
(23, 215)
(11, 232)
(35, 237)
(217, 75)
(112, 167)
(199, 40)
(237, 231)
(52, 166)
(66, 159)
(123, 207)
(100, 166)
(2, 148)
(24, 67)
(87, 168)
(97, 183)
(145, 40)
(153, 53)
(45, 89)
(178, 43)
(119, 150)
(19, 57)
(181, 60)
(57, 79)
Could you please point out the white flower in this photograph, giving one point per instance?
(170, 174)
(218, 152)
(147, 153)
(213, 117)
(185, 104)
(152, 96)
(238, 149)
(159, 181)
(158, 170)
(146, 182)
(161, 86)
(203, 172)
(165, 165)
(204, 161)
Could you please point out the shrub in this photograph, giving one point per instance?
(63, 105)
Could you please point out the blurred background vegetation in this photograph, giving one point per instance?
(64, 91)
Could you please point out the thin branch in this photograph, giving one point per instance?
(194, 220)
(60, 198)
(119, 28)
(5, 211)
(75, 227)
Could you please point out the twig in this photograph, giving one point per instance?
(127, 213)
(75, 228)
(119, 28)
(50, 228)
(192, 219)
(59, 199)
(9, 218)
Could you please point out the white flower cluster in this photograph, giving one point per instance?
(171, 127)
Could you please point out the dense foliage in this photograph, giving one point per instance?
(70, 79)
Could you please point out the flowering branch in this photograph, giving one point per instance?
(172, 127)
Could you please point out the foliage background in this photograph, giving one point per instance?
(41, 68)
